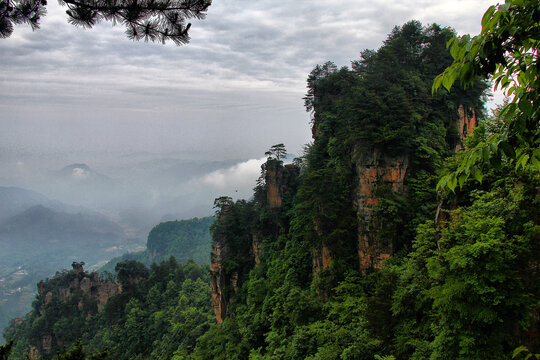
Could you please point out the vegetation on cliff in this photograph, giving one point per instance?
(159, 313)
(188, 239)
(349, 252)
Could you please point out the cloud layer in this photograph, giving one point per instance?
(233, 91)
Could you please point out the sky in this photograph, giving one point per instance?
(69, 94)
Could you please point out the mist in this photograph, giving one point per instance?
(136, 190)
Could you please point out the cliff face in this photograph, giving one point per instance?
(465, 125)
(85, 289)
(218, 278)
(236, 248)
(273, 179)
(376, 172)
(373, 171)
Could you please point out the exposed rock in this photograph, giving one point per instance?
(86, 288)
(321, 258)
(85, 285)
(256, 248)
(48, 298)
(218, 279)
(105, 291)
(273, 178)
(77, 267)
(374, 170)
(278, 179)
(465, 125)
(46, 344)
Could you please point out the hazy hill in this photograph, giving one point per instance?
(38, 241)
(46, 226)
(14, 200)
(82, 172)
(184, 239)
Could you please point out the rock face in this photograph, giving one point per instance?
(278, 179)
(374, 170)
(273, 179)
(256, 248)
(89, 286)
(321, 258)
(465, 125)
(375, 173)
(86, 288)
(218, 278)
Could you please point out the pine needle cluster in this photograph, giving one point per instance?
(148, 20)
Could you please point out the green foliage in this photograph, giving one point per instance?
(277, 152)
(5, 350)
(481, 287)
(76, 352)
(287, 309)
(465, 292)
(464, 286)
(164, 312)
(507, 51)
(184, 239)
(522, 352)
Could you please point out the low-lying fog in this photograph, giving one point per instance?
(137, 190)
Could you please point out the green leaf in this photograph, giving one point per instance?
(477, 174)
(519, 350)
(452, 182)
(522, 161)
(436, 83)
(525, 106)
(442, 182)
(467, 73)
(487, 17)
(523, 78)
(507, 149)
(462, 179)
(485, 153)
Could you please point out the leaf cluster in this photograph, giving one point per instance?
(506, 51)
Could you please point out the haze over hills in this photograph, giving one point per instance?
(14, 200)
(54, 228)
(53, 215)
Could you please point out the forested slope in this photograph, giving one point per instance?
(349, 252)
(188, 239)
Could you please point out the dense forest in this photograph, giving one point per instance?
(184, 239)
(351, 251)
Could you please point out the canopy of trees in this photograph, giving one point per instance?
(461, 282)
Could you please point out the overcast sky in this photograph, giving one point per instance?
(232, 92)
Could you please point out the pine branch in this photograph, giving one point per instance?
(151, 20)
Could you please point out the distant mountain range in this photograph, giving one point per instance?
(83, 173)
(41, 224)
(14, 200)
(39, 236)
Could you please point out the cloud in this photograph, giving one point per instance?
(237, 180)
(242, 75)
(80, 173)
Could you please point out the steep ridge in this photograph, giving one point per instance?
(237, 246)
(87, 291)
(349, 252)
(368, 178)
